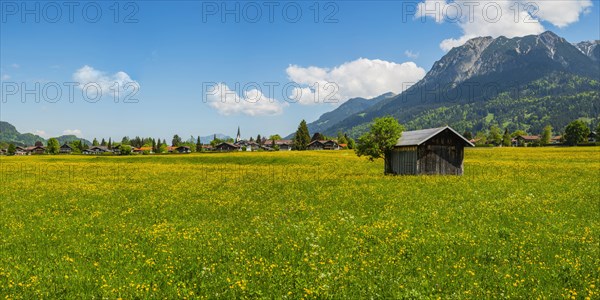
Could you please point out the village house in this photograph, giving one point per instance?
(97, 150)
(142, 149)
(65, 149)
(324, 145)
(436, 151)
(249, 146)
(592, 137)
(556, 140)
(116, 149)
(183, 149)
(20, 151)
(525, 140)
(283, 145)
(36, 150)
(227, 147)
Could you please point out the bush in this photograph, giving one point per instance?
(126, 150)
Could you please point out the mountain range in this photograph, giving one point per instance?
(516, 83)
(10, 134)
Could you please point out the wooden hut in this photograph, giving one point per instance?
(436, 151)
(226, 147)
(324, 145)
(65, 149)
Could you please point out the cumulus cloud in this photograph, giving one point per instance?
(510, 18)
(252, 102)
(76, 132)
(107, 83)
(359, 78)
(5, 77)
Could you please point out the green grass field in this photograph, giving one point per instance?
(521, 223)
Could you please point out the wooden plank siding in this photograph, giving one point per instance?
(404, 161)
(443, 154)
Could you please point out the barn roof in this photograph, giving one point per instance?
(418, 137)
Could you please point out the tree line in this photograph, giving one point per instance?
(302, 138)
(576, 132)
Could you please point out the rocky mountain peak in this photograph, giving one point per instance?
(590, 48)
(484, 56)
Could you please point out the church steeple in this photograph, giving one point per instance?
(238, 138)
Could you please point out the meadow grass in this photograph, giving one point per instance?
(521, 223)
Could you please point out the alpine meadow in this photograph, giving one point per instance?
(520, 223)
(339, 150)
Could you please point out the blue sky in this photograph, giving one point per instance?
(173, 55)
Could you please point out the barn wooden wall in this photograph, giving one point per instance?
(404, 161)
(443, 154)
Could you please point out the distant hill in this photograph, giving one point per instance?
(71, 138)
(207, 139)
(348, 108)
(519, 83)
(10, 134)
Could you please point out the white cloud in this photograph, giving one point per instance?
(359, 78)
(15, 66)
(510, 18)
(253, 102)
(5, 77)
(41, 133)
(107, 82)
(411, 55)
(76, 132)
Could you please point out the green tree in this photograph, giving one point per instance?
(341, 138)
(162, 148)
(380, 140)
(103, 143)
(481, 138)
(259, 139)
(317, 137)
(302, 137)
(81, 146)
(351, 143)
(95, 142)
(518, 133)
(198, 145)
(110, 143)
(125, 141)
(495, 135)
(176, 141)
(468, 135)
(576, 132)
(53, 146)
(125, 150)
(275, 137)
(12, 149)
(506, 139)
(546, 135)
